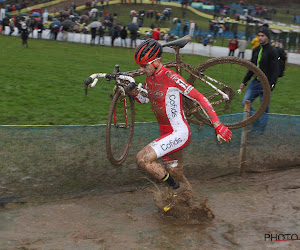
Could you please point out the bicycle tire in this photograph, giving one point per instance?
(238, 68)
(119, 133)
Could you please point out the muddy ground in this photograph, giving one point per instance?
(245, 208)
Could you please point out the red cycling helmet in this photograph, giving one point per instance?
(147, 51)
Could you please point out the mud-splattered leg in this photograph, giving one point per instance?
(174, 165)
(146, 160)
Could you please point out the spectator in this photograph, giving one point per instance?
(265, 57)
(123, 35)
(65, 33)
(11, 26)
(73, 8)
(88, 5)
(166, 37)
(133, 37)
(242, 47)
(220, 31)
(233, 44)
(32, 25)
(178, 27)
(215, 30)
(5, 22)
(24, 35)
(40, 27)
(156, 34)
(54, 34)
(84, 31)
(157, 16)
(95, 2)
(115, 32)
(141, 22)
(101, 32)
(148, 34)
(207, 40)
(255, 42)
(185, 28)
(93, 35)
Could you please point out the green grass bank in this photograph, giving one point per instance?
(44, 83)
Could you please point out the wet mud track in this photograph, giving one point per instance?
(245, 209)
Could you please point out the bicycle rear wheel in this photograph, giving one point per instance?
(120, 127)
(230, 71)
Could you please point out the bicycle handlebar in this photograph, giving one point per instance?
(93, 79)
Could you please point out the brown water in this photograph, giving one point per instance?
(245, 209)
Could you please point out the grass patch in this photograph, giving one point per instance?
(44, 83)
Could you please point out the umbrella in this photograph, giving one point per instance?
(133, 27)
(35, 14)
(95, 24)
(67, 24)
(84, 17)
(276, 31)
(94, 10)
(23, 14)
(55, 25)
(73, 18)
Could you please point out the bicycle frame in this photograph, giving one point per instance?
(179, 64)
(220, 94)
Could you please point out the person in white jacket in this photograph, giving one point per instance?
(242, 47)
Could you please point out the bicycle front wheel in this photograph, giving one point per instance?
(120, 127)
(229, 73)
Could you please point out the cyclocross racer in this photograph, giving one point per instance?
(165, 89)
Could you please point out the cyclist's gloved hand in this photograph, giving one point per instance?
(131, 86)
(223, 133)
(88, 81)
(141, 89)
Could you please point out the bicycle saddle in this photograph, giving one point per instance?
(178, 43)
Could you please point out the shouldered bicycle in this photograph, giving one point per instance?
(218, 79)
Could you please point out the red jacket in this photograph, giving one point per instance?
(233, 44)
(155, 34)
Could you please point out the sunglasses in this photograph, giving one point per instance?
(144, 65)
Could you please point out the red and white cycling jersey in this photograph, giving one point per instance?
(165, 89)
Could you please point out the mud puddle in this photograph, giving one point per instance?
(245, 210)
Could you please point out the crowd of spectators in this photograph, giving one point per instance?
(81, 20)
(17, 5)
(73, 20)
